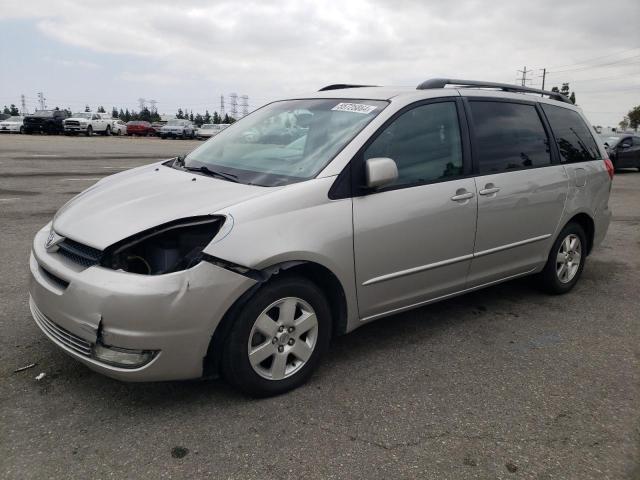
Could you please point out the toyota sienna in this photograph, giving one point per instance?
(313, 216)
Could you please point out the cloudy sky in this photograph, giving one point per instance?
(187, 53)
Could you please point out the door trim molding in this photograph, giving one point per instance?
(450, 261)
(422, 268)
(489, 251)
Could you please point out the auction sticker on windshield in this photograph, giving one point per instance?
(354, 107)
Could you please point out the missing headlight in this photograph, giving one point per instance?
(164, 249)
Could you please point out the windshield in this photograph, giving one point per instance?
(14, 119)
(43, 113)
(81, 115)
(176, 122)
(285, 142)
(611, 141)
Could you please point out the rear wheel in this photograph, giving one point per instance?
(21, 130)
(566, 260)
(277, 339)
(107, 131)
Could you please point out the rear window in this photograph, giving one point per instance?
(574, 139)
(509, 136)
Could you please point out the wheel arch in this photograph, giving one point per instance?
(588, 225)
(319, 274)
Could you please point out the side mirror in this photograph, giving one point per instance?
(380, 172)
(625, 145)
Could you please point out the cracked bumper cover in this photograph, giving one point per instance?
(175, 314)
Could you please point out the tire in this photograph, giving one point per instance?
(89, 131)
(163, 137)
(279, 348)
(107, 131)
(21, 130)
(556, 279)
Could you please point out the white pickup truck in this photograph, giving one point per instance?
(88, 123)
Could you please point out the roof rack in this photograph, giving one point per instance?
(505, 87)
(340, 86)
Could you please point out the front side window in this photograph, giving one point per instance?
(285, 142)
(424, 142)
(508, 136)
(574, 139)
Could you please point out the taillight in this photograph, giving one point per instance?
(609, 165)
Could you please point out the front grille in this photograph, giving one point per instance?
(59, 334)
(70, 123)
(79, 253)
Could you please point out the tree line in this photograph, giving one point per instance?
(152, 116)
(145, 114)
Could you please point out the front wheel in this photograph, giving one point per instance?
(107, 131)
(566, 260)
(89, 131)
(277, 339)
(21, 130)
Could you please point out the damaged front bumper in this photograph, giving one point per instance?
(129, 326)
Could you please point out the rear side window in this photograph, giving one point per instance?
(424, 142)
(574, 139)
(508, 136)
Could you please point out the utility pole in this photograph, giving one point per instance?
(42, 101)
(221, 106)
(23, 104)
(524, 79)
(153, 106)
(244, 104)
(233, 100)
(544, 76)
(142, 103)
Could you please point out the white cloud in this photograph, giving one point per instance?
(71, 63)
(269, 48)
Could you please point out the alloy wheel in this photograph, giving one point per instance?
(568, 258)
(283, 338)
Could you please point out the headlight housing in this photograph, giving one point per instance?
(167, 248)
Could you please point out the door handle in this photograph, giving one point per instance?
(489, 189)
(462, 195)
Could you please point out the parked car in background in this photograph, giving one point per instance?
(4, 116)
(208, 130)
(177, 128)
(139, 127)
(45, 121)
(225, 261)
(624, 150)
(12, 125)
(88, 123)
(118, 127)
(156, 126)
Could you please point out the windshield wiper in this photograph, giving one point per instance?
(207, 171)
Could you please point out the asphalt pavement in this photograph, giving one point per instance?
(502, 383)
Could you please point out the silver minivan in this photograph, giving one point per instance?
(313, 216)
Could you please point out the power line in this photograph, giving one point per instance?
(596, 66)
(594, 58)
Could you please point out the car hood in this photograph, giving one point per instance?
(78, 119)
(130, 202)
